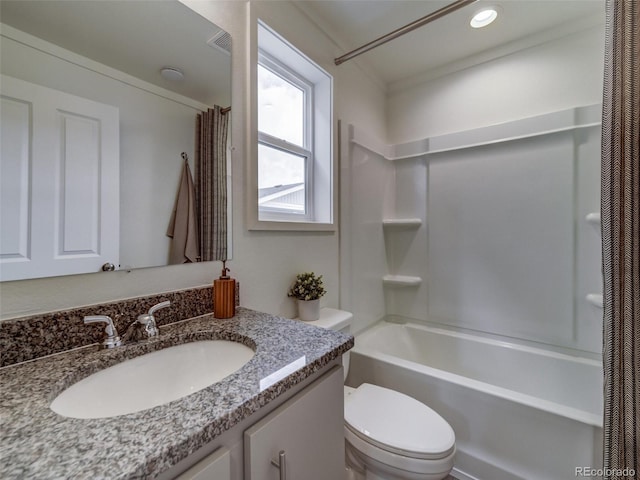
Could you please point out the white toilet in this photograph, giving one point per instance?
(389, 435)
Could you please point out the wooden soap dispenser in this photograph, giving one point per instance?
(224, 294)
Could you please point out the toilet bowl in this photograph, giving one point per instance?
(389, 435)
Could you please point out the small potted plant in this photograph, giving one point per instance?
(307, 289)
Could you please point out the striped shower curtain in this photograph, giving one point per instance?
(211, 182)
(621, 240)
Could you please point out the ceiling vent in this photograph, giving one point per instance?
(221, 41)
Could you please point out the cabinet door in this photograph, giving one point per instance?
(216, 466)
(308, 429)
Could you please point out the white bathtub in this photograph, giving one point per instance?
(518, 412)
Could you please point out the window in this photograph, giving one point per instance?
(285, 157)
(294, 153)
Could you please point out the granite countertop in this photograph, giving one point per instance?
(38, 443)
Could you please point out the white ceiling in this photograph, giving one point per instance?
(136, 37)
(139, 37)
(353, 23)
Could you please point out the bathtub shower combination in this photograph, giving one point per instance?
(517, 411)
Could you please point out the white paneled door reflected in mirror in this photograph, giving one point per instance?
(120, 85)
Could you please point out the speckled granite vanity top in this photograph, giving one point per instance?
(38, 443)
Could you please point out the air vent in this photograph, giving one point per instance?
(221, 41)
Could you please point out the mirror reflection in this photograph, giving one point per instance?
(102, 102)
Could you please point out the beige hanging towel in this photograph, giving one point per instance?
(183, 226)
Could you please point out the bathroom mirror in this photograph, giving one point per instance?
(157, 64)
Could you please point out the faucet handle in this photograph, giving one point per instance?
(112, 340)
(158, 306)
(149, 321)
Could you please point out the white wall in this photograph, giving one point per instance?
(264, 262)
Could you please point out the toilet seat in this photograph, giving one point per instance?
(397, 424)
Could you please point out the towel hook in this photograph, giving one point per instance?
(184, 156)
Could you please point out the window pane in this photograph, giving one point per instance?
(281, 181)
(280, 107)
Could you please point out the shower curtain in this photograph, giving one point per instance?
(211, 182)
(621, 240)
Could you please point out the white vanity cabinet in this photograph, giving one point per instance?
(303, 438)
(307, 426)
(215, 466)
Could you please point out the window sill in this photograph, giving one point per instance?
(259, 225)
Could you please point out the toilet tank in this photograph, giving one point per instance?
(339, 320)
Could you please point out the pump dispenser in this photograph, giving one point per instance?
(224, 294)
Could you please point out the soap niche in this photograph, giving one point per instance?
(404, 225)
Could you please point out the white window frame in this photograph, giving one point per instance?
(322, 173)
(305, 151)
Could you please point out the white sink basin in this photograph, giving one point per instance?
(152, 379)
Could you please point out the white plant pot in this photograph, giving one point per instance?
(309, 310)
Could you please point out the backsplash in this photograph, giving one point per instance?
(27, 338)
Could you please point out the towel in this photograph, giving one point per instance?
(183, 226)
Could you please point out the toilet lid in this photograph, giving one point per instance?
(397, 423)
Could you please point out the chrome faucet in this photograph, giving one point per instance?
(112, 340)
(149, 321)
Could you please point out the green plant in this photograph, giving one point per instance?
(307, 286)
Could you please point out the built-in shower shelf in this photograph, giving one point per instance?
(593, 218)
(401, 222)
(595, 299)
(401, 280)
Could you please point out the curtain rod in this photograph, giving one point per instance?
(452, 7)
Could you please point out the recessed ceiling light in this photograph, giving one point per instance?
(172, 74)
(484, 17)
